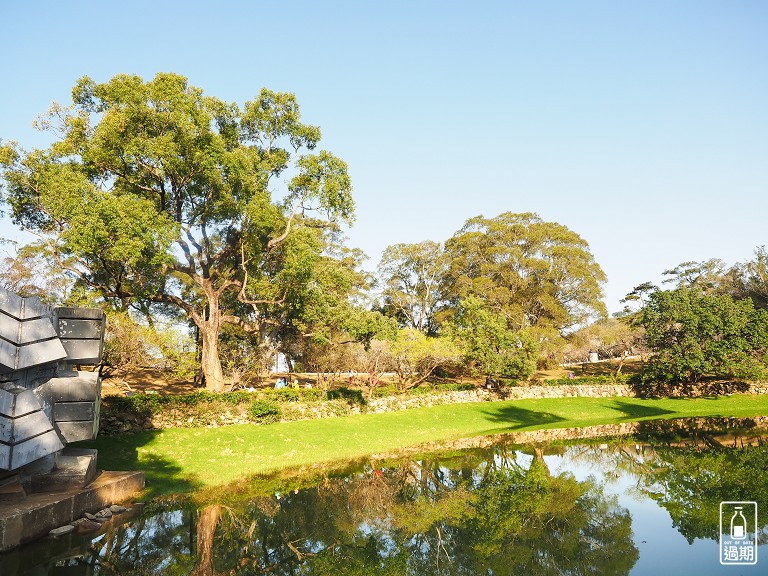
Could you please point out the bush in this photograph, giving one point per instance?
(264, 411)
(445, 387)
(587, 380)
(546, 363)
(295, 394)
(388, 390)
(349, 394)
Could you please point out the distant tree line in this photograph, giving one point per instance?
(168, 207)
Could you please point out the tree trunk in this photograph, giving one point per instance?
(206, 526)
(210, 363)
(538, 455)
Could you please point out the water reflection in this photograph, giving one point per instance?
(610, 506)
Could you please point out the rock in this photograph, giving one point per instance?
(106, 514)
(93, 517)
(62, 530)
(88, 526)
(117, 509)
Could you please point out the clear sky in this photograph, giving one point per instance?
(643, 126)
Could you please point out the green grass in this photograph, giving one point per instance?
(187, 459)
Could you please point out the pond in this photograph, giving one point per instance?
(644, 502)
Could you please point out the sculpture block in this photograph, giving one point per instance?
(43, 403)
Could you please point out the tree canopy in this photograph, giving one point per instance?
(535, 273)
(411, 275)
(157, 194)
(694, 335)
(489, 345)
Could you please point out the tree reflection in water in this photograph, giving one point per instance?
(480, 512)
(499, 510)
(696, 467)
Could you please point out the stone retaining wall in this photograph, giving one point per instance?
(393, 403)
(113, 423)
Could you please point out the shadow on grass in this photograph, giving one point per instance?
(515, 417)
(634, 410)
(163, 476)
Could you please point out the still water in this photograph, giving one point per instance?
(645, 502)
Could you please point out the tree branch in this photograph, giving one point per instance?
(275, 241)
(241, 297)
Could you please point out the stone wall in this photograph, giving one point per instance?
(394, 403)
(120, 422)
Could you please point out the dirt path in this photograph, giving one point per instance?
(143, 380)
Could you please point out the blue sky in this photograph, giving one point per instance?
(643, 126)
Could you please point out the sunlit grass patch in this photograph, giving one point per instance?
(187, 459)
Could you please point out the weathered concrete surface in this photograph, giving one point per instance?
(41, 556)
(75, 468)
(37, 514)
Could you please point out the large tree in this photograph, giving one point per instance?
(693, 335)
(489, 345)
(536, 273)
(411, 275)
(754, 278)
(156, 193)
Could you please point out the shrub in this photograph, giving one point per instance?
(295, 394)
(384, 391)
(445, 387)
(264, 411)
(349, 394)
(587, 380)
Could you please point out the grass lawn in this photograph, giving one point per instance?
(188, 459)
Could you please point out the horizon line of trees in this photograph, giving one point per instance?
(162, 204)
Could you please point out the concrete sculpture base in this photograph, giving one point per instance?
(24, 519)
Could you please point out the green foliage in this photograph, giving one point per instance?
(754, 278)
(28, 271)
(533, 272)
(129, 344)
(489, 345)
(692, 498)
(707, 277)
(589, 380)
(264, 411)
(609, 337)
(416, 356)
(411, 275)
(160, 197)
(349, 395)
(442, 387)
(189, 410)
(693, 335)
(319, 328)
(295, 394)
